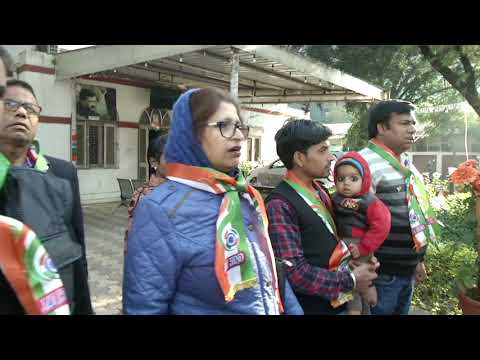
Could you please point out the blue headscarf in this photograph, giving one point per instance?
(183, 146)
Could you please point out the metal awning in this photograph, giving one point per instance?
(266, 73)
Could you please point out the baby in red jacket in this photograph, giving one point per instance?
(363, 220)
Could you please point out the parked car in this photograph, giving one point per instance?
(271, 175)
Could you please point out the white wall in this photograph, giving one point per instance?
(14, 50)
(96, 185)
(54, 97)
(270, 125)
(54, 140)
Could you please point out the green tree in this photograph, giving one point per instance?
(400, 69)
(459, 65)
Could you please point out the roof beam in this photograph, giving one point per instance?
(267, 72)
(316, 69)
(215, 73)
(288, 92)
(188, 76)
(95, 59)
(153, 78)
(302, 99)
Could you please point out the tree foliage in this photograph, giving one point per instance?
(400, 69)
(459, 65)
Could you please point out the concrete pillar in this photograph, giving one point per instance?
(235, 60)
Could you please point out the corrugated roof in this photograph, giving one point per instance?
(261, 77)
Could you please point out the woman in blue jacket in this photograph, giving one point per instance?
(199, 242)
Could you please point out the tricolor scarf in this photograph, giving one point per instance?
(25, 262)
(233, 258)
(341, 256)
(425, 227)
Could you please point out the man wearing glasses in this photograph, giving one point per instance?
(46, 199)
(20, 122)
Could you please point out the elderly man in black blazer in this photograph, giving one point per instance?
(19, 125)
(66, 170)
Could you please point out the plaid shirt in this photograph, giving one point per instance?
(285, 235)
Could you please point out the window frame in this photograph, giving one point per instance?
(104, 125)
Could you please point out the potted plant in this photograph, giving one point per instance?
(467, 178)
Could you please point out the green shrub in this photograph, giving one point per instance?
(248, 166)
(445, 263)
(451, 259)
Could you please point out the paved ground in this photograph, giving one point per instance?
(105, 227)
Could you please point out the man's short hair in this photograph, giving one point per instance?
(383, 110)
(299, 135)
(7, 60)
(86, 93)
(22, 84)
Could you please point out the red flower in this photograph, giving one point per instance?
(470, 163)
(476, 184)
(466, 173)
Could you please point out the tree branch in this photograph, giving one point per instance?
(426, 96)
(463, 87)
(416, 84)
(446, 72)
(467, 65)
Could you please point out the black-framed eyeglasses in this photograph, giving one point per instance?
(228, 128)
(14, 105)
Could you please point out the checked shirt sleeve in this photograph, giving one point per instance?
(286, 242)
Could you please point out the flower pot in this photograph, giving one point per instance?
(468, 305)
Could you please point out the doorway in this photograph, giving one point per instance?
(153, 123)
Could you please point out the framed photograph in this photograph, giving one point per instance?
(96, 103)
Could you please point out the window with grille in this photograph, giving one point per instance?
(96, 147)
(49, 49)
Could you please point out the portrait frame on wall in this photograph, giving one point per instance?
(96, 103)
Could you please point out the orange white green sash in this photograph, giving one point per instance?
(30, 270)
(424, 225)
(26, 264)
(340, 258)
(233, 258)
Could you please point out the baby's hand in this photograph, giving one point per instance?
(354, 250)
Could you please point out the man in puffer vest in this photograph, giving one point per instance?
(363, 220)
